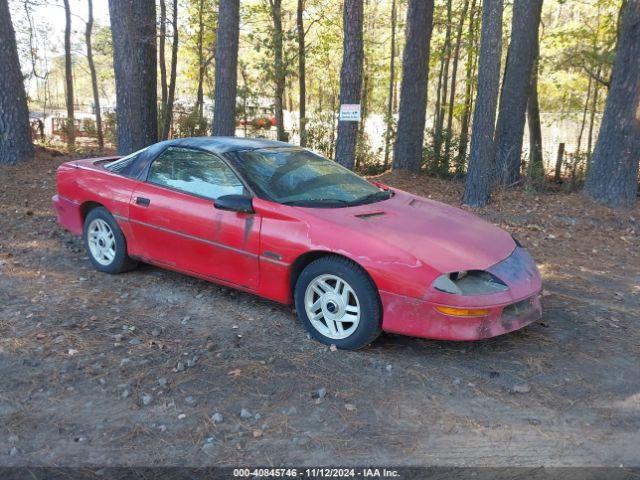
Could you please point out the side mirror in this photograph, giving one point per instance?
(234, 203)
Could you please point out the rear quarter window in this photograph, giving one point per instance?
(127, 166)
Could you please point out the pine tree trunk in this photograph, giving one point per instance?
(302, 84)
(437, 147)
(407, 154)
(613, 177)
(168, 110)
(224, 114)
(536, 164)
(276, 17)
(468, 99)
(439, 100)
(70, 130)
(364, 112)
(584, 117)
(454, 76)
(558, 173)
(161, 57)
(478, 183)
(15, 133)
(596, 85)
(392, 79)
(334, 127)
(366, 85)
(200, 91)
(244, 93)
(94, 77)
(133, 29)
(592, 117)
(350, 79)
(515, 89)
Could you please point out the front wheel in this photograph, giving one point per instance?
(338, 303)
(105, 242)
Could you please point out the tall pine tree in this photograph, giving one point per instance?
(133, 29)
(224, 113)
(515, 89)
(613, 177)
(477, 188)
(413, 89)
(15, 134)
(350, 79)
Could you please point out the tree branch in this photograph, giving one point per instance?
(598, 78)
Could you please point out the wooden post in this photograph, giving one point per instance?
(559, 163)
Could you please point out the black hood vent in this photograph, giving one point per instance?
(367, 216)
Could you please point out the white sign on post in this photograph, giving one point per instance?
(350, 112)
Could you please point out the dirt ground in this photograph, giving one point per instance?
(129, 370)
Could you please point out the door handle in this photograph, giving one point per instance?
(143, 201)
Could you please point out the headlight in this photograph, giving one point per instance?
(472, 282)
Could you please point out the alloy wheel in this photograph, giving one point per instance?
(102, 243)
(332, 306)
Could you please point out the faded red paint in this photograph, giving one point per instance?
(404, 246)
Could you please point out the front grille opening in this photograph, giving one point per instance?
(517, 309)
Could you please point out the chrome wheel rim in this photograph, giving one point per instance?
(332, 306)
(102, 243)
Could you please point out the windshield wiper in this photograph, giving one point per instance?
(373, 197)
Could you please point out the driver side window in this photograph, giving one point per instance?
(196, 172)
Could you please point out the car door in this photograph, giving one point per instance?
(175, 223)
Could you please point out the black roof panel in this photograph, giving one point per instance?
(137, 166)
(225, 144)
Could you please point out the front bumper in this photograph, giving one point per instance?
(419, 318)
(509, 310)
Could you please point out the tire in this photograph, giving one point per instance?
(101, 232)
(338, 303)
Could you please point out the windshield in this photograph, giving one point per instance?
(295, 176)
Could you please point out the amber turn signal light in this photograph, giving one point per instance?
(463, 312)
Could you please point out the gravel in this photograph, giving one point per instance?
(521, 388)
(319, 394)
(217, 417)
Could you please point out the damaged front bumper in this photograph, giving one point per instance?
(503, 312)
(418, 318)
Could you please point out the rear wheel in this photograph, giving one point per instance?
(105, 242)
(338, 303)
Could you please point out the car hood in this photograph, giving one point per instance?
(446, 238)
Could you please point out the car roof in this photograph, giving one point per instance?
(225, 144)
(136, 164)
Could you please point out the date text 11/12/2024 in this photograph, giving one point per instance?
(315, 473)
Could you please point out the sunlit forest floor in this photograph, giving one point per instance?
(128, 370)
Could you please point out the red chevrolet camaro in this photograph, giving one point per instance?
(356, 257)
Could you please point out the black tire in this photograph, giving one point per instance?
(369, 326)
(121, 261)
